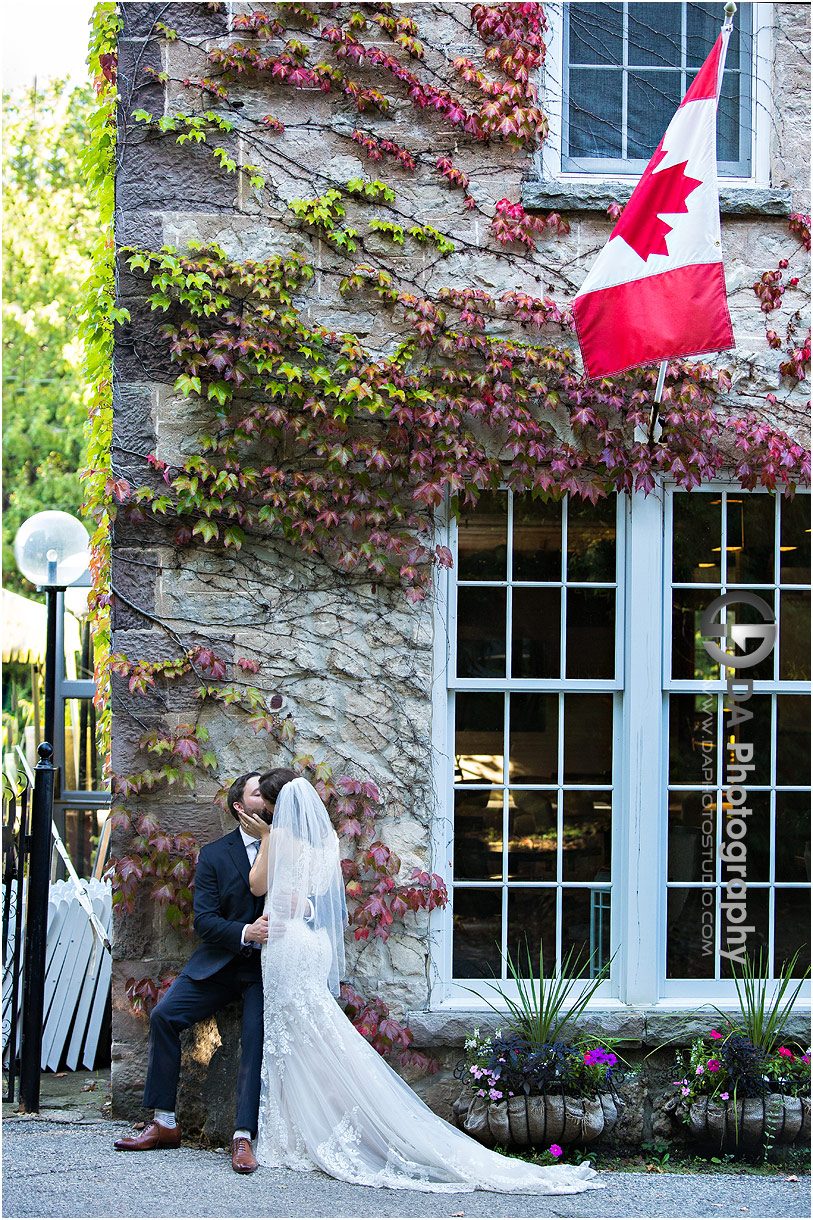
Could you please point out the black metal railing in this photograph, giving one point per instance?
(16, 820)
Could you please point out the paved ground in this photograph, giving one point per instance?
(62, 1164)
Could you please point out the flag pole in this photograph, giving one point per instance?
(729, 9)
(656, 398)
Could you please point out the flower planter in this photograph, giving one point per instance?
(536, 1121)
(774, 1119)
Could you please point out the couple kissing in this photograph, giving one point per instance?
(312, 1094)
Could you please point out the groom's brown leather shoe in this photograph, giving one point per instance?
(243, 1159)
(153, 1136)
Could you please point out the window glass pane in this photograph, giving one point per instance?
(478, 835)
(534, 738)
(690, 941)
(729, 122)
(793, 836)
(654, 35)
(590, 633)
(693, 739)
(477, 921)
(703, 22)
(480, 632)
(794, 555)
(792, 930)
(697, 532)
(478, 738)
(731, 933)
(588, 745)
(652, 99)
(591, 539)
(692, 836)
(794, 637)
(586, 929)
(594, 113)
(741, 612)
(532, 835)
(757, 839)
(750, 540)
(793, 739)
(596, 33)
(537, 539)
(536, 631)
(754, 729)
(531, 924)
(586, 835)
(689, 657)
(482, 538)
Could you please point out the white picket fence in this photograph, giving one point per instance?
(77, 974)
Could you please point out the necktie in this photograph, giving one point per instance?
(253, 849)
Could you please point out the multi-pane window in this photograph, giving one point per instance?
(534, 703)
(738, 768)
(626, 67)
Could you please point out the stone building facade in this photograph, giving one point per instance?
(362, 671)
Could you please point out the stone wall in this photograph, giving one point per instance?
(352, 660)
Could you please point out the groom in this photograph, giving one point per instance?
(230, 923)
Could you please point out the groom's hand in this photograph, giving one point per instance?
(257, 931)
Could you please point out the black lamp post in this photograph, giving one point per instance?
(51, 550)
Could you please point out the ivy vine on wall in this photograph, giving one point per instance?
(343, 448)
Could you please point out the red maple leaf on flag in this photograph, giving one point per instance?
(640, 223)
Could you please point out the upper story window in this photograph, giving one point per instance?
(625, 68)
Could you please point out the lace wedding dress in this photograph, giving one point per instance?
(328, 1100)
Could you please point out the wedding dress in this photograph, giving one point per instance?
(328, 1100)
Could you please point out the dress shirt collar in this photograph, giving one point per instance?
(248, 841)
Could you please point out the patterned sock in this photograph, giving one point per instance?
(166, 1118)
(242, 1134)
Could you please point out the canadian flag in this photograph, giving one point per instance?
(657, 289)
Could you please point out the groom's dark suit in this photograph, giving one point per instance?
(220, 970)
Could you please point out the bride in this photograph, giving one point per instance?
(328, 1100)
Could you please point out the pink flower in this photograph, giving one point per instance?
(699, 1070)
(713, 1065)
(783, 1050)
(724, 1096)
(495, 1094)
(685, 1092)
(555, 1150)
(715, 1035)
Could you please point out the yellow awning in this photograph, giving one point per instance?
(24, 627)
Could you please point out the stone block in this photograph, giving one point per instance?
(141, 352)
(133, 429)
(189, 20)
(156, 173)
(138, 89)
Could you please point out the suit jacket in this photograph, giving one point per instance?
(224, 904)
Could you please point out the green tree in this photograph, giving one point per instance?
(50, 225)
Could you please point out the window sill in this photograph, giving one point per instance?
(561, 195)
(626, 1026)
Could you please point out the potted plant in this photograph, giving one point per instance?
(527, 1085)
(745, 1089)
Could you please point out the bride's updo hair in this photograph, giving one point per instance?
(272, 782)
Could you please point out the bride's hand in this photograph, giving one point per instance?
(253, 825)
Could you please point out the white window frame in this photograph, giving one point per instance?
(640, 774)
(549, 157)
(458, 994)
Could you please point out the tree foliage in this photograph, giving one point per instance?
(49, 229)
